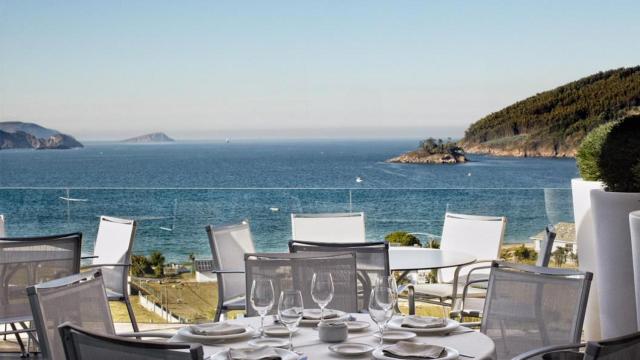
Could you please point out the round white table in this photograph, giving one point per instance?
(406, 258)
(471, 345)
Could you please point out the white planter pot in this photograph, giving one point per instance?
(585, 237)
(634, 227)
(614, 261)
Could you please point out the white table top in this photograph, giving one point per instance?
(415, 258)
(474, 344)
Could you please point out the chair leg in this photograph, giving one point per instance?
(132, 316)
(216, 316)
(23, 352)
(412, 301)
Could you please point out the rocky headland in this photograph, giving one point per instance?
(432, 151)
(20, 135)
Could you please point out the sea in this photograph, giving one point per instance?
(174, 190)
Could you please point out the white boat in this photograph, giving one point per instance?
(359, 179)
(72, 199)
(274, 209)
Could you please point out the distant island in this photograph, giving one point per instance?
(553, 123)
(21, 135)
(156, 137)
(432, 151)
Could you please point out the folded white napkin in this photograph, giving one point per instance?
(217, 329)
(423, 322)
(261, 353)
(314, 314)
(414, 351)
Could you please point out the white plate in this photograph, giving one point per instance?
(277, 330)
(341, 316)
(187, 334)
(351, 349)
(396, 324)
(272, 342)
(284, 354)
(452, 354)
(396, 335)
(357, 325)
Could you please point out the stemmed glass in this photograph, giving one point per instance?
(381, 304)
(322, 290)
(262, 299)
(390, 282)
(290, 311)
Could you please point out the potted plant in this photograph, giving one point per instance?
(581, 188)
(608, 155)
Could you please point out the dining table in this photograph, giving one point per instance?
(469, 343)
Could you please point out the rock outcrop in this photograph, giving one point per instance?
(423, 157)
(157, 137)
(19, 135)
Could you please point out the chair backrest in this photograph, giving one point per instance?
(546, 246)
(478, 235)
(295, 271)
(2, 231)
(372, 262)
(228, 245)
(81, 344)
(331, 228)
(113, 246)
(621, 348)
(79, 299)
(29, 261)
(528, 307)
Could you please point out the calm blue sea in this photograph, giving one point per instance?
(174, 190)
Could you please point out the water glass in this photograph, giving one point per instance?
(262, 299)
(381, 307)
(290, 310)
(322, 290)
(390, 282)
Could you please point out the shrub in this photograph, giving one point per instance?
(433, 244)
(560, 256)
(589, 152)
(523, 253)
(402, 238)
(140, 265)
(157, 261)
(611, 154)
(620, 156)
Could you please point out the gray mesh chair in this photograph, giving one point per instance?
(546, 246)
(29, 261)
(529, 307)
(295, 271)
(625, 347)
(81, 344)
(228, 245)
(112, 253)
(372, 262)
(80, 299)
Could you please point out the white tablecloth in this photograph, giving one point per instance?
(473, 344)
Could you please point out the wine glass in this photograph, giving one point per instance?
(290, 311)
(390, 282)
(322, 290)
(262, 299)
(381, 307)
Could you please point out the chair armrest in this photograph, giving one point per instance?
(547, 349)
(89, 257)
(101, 265)
(227, 271)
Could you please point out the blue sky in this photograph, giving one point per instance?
(216, 69)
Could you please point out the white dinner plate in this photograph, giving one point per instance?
(341, 316)
(187, 334)
(357, 325)
(271, 342)
(396, 324)
(277, 330)
(452, 354)
(351, 349)
(284, 354)
(396, 335)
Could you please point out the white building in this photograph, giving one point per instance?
(203, 270)
(565, 237)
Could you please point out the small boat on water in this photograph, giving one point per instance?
(359, 179)
(65, 198)
(274, 209)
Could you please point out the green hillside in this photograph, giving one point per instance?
(554, 122)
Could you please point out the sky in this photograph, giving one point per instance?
(214, 69)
